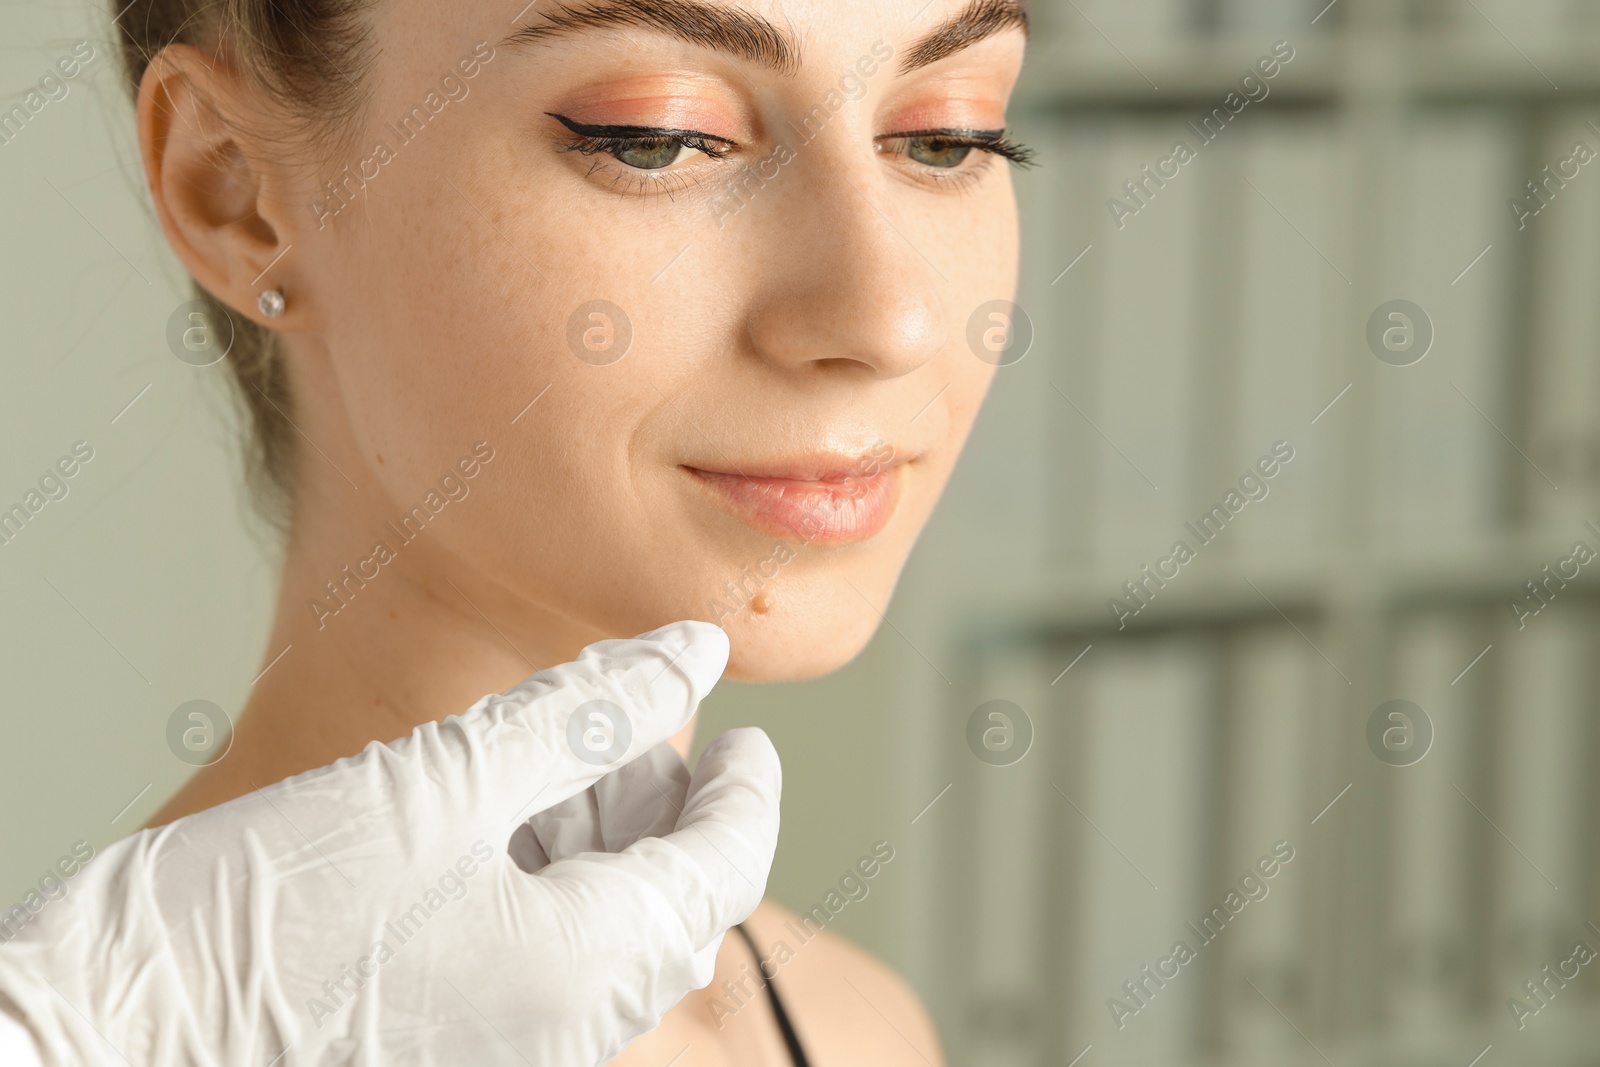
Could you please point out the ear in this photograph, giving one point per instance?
(218, 199)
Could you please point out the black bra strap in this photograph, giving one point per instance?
(796, 1053)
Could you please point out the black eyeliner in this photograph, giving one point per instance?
(630, 133)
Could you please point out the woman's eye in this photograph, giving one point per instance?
(642, 147)
(949, 149)
(650, 153)
(933, 152)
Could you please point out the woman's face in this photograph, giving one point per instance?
(744, 340)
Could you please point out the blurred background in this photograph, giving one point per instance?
(1167, 735)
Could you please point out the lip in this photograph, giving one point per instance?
(819, 499)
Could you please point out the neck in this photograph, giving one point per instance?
(379, 628)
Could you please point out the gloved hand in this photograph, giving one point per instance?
(369, 912)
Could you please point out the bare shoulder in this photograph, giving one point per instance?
(847, 1006)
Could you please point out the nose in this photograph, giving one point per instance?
(849, 292)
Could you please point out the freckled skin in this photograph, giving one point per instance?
(430, 328)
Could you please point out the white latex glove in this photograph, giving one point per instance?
(369, 912)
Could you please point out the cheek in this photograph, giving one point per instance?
(984, 263)
(459, 318)
(469, 309)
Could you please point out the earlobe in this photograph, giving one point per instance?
(206, 183)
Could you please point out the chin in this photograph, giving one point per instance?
(797, 640)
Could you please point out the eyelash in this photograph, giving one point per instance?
(594, 139)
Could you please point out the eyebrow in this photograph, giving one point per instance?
(715, 26)
(978, 21)
(748, 36)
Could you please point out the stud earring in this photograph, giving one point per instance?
(271, 302)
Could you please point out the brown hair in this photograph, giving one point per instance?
(309, 55)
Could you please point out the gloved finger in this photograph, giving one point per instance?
(643, 798)
(557, 733)
(711, 871)
(525, 850)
